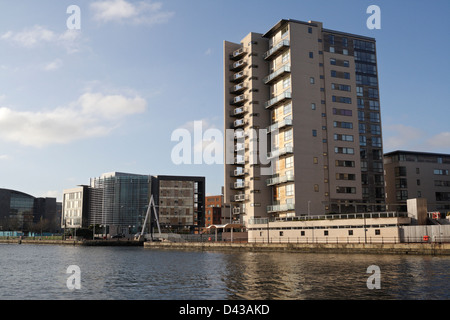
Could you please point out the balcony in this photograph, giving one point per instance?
(238, 88)
(240, 146)
(239, 99)
(237, 210)
(238, 76)
(240, 197)
(271, 78)
(240, 185)
(278, 48)
(278, 99)
(239, 123)
(238, 64)
(279, 125)
(280, 180)
(239, 172)
(237, 54)
(280, 152)
(240, 134)
(281, 207)
(238, 112)
(240, 159)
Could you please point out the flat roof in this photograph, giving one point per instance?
(416, 153)
(314, 24)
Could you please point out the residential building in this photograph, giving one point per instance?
(410, 174)
(181, 201)
(213, 210)
(303, 105)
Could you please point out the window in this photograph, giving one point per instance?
(345, 176)
(345, 163)
(281, 233)
(344, 150)
(375, 129)
(288, 135)
(289, 162)
(325, 232)
(314, 133)
(344, 42)
(361, 116)
(290, 190)
(374, 117)
(315, 160)
(343, 125)
(441, 172)
(332, 49)
(316, 188)
(313, 106)
(342, 112)
(376, 142)
(360, 92)
(302, 233)
(311, 54)
(362, 128)
(346, 75)
(400, 171)
(351, 190)
(350, 232)
(331, 39)
(309, 30)
(333, 61)
(346, 63)
(343, 137)
(311, 80)
(287, 82)
(341, 99)
(377, 232)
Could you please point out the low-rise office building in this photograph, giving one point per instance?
(21, 211)
(410, 174)
(118, 203)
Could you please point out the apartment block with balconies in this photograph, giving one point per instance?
(315, 92)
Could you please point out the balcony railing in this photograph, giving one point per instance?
(239, 99)
(277, 74)
(279, 47)
(278, 99)
(238, 111)
(240, 197)
(280, 152)
(279, 125)
(238, 76)
(239, 172)
(281, 207)
(240, 185)
(240, 146)
(238, 88)
(239, 134)
(238, 64)
(237, 53)
(239, 123)
(240, 160)
(280, 180)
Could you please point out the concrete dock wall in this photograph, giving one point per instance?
(362, 248)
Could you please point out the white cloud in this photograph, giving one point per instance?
(54, 65)
(4, 157)
(402, 137)
(85, 118)
(39, 35)
(123, 11)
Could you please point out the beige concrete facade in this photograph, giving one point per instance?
(357, 228)
(315, 91)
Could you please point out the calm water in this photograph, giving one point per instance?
(39, 272)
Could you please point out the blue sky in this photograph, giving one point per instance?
(77, 103)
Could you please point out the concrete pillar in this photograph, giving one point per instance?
(417, 209)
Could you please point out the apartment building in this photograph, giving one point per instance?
(412, 174)
(303, 105)
(213, 210)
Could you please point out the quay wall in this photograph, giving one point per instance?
(99, 243)
(359, 248)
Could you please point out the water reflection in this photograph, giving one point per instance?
(39, 272)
